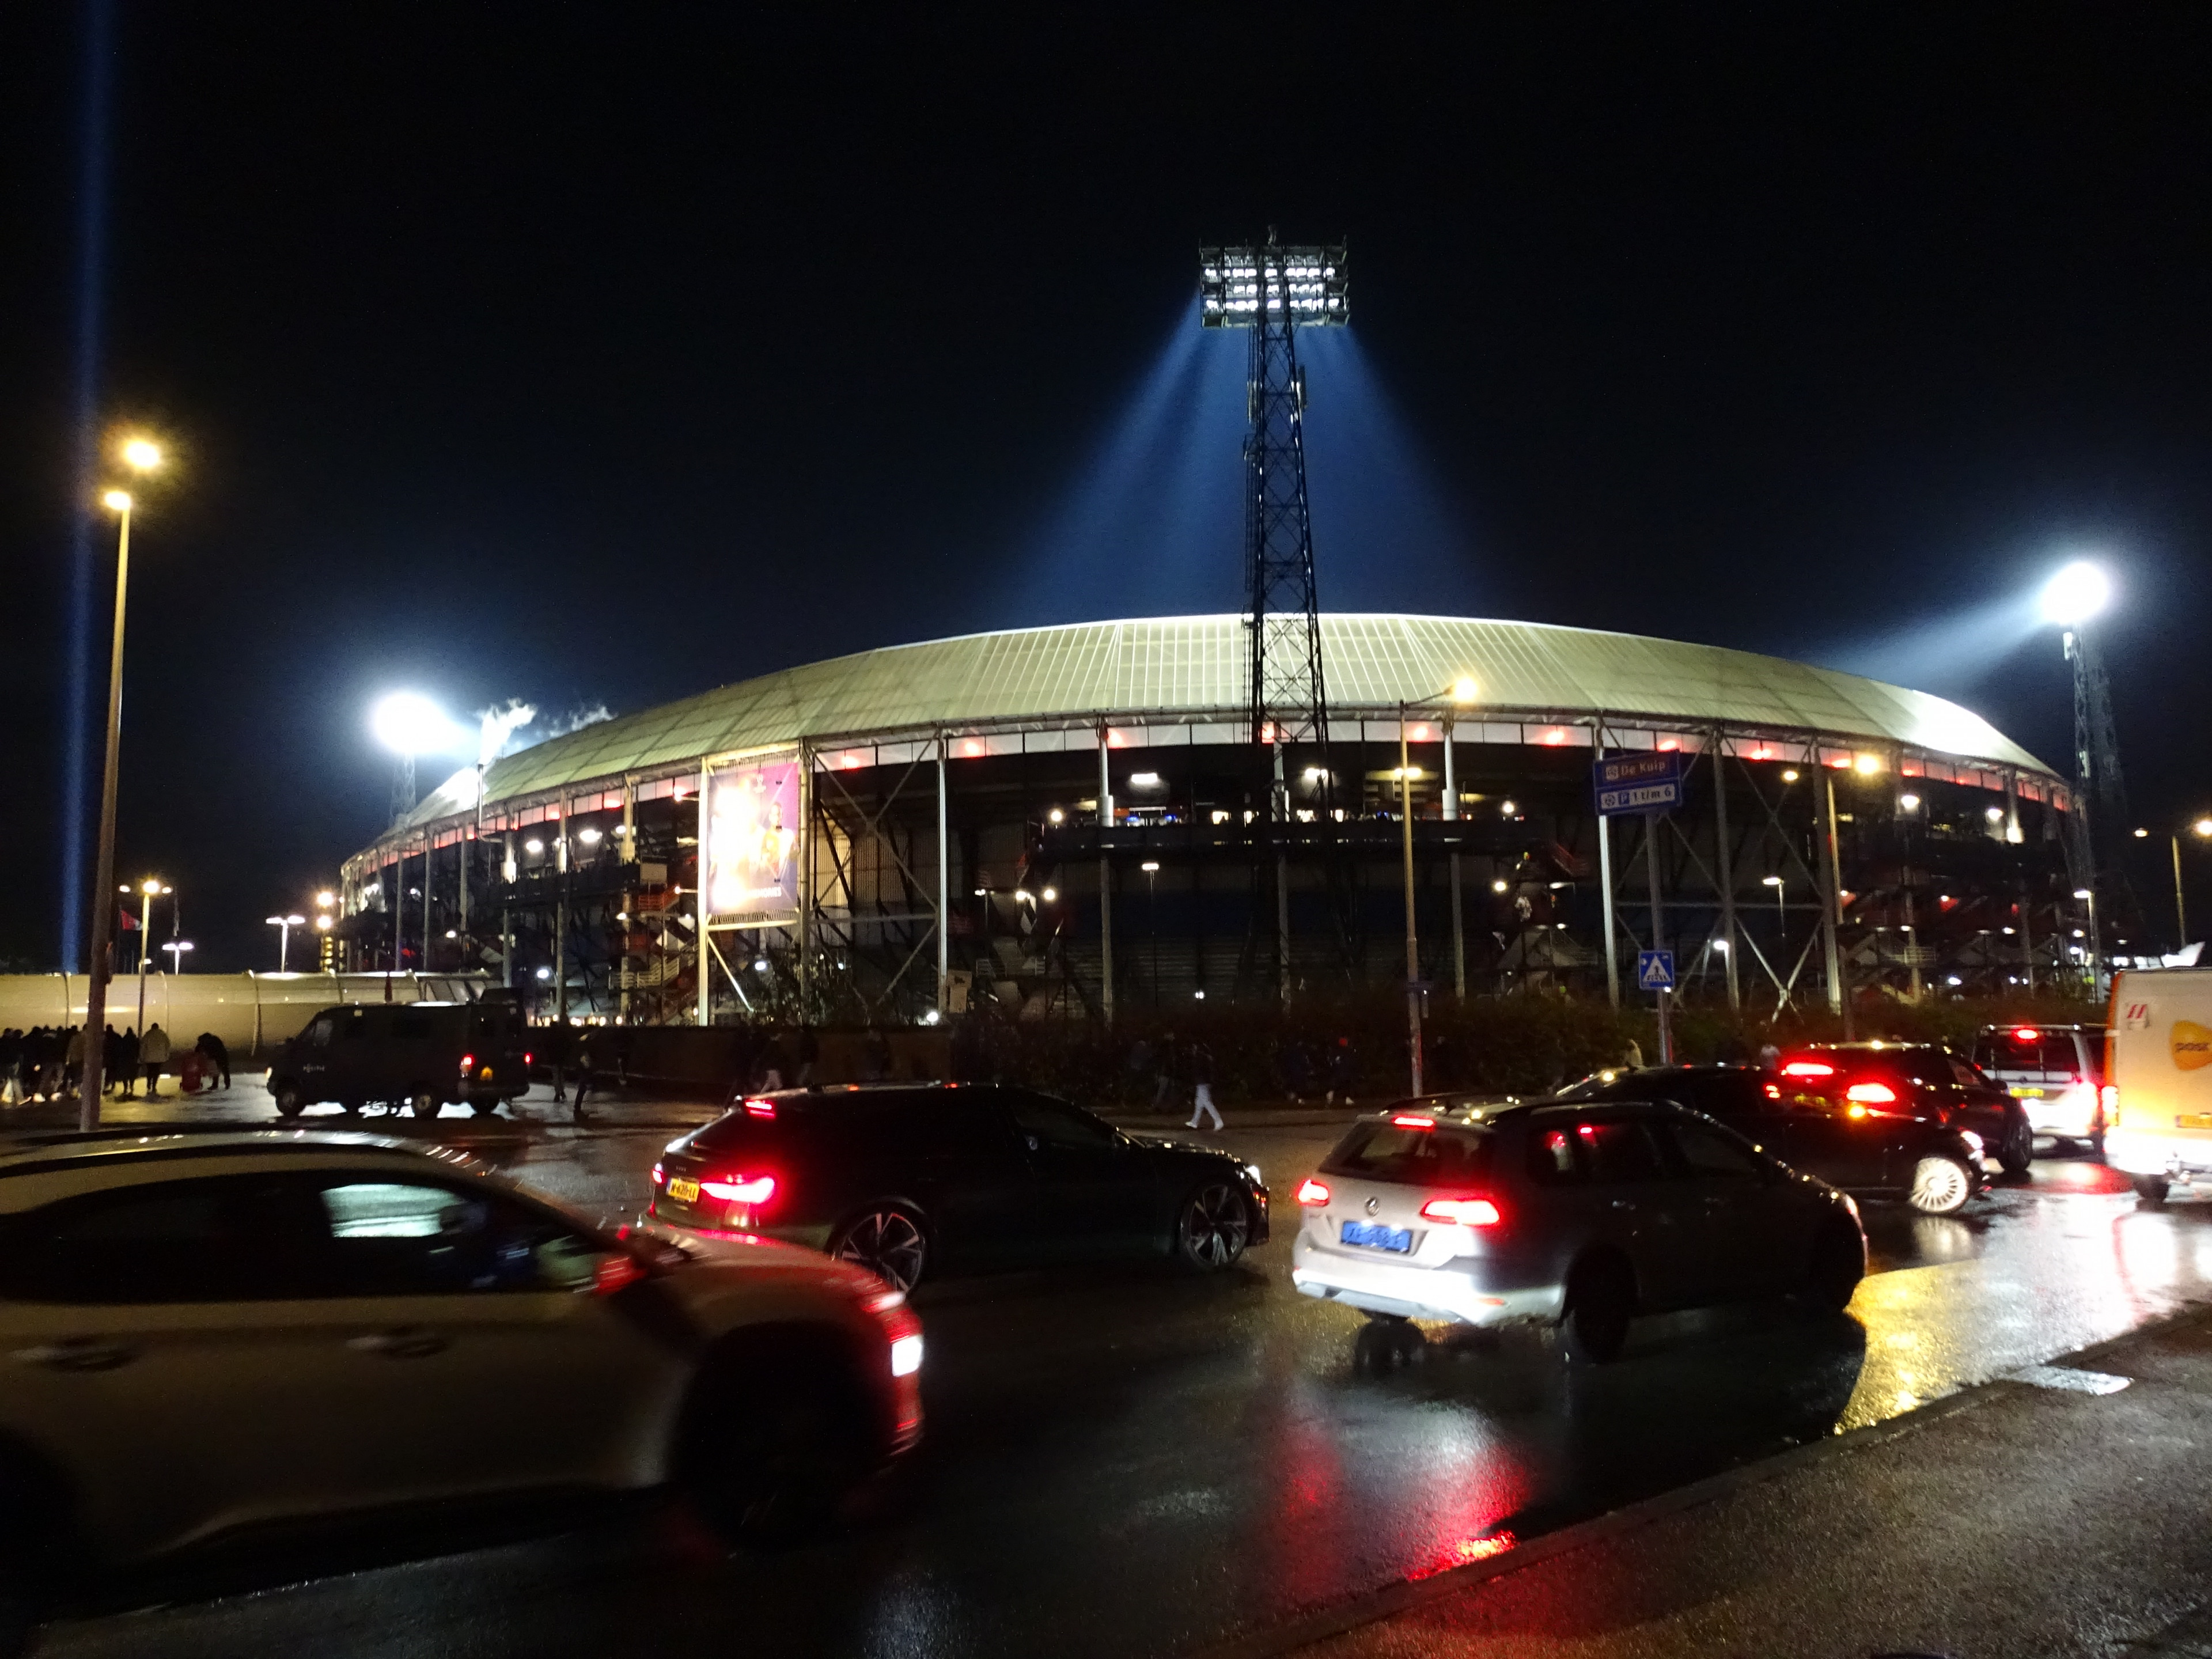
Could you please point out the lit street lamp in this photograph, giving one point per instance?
(284, 925)
(140, 455)
(2096, 953)
(149, 890)
(176, 948)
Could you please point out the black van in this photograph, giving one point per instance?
(418, 1054)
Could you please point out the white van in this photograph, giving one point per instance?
(2160, 1065)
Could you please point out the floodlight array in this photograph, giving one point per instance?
(1306, 285)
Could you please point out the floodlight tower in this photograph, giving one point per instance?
(1273, 291)
(2078, 592)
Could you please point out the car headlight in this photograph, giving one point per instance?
(1971, 1140)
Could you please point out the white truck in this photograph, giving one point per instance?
(2158, 1067)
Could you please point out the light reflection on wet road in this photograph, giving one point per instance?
(1130, 1461)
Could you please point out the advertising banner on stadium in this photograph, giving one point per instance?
(751, 843)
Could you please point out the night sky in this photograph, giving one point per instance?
(597, 354)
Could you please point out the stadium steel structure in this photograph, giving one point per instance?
(1063, 822)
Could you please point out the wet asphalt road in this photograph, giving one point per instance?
(1129, 1462)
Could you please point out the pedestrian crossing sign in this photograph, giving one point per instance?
(1654, 971)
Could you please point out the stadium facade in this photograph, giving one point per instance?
(1065, 822)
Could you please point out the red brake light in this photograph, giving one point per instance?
(2025, 1034)
(467, 1061)
(660, 1176)
(1414, 1120)
(528, 1058)
(1808, 1068)
(614, 1272)
(1871, 1094)
(760, 1109)
(1313, 1192)
(741, 1188)
(1462, 1211)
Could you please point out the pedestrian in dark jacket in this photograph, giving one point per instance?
(125, 1066)
(1343, 1068)
(1200, 1066)
(215, 1055)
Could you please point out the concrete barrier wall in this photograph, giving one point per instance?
(251, 1012)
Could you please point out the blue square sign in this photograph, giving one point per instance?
(1654, 971)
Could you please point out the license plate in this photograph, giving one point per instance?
(684, 1192)
(1375, 1237)
(2027, 1094)
(2193, 1120)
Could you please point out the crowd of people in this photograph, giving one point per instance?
(47, 1063)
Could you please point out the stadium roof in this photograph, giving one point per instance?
(1183, 666)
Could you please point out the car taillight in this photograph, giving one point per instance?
(1808, 1068)
(2109, 1098)
(616, 1271)
(527, 1057)
(1414, 1120)
(660, 1176)
(1871, 1094)
(760, 1109)
(1774, 1092)
(1313, 1192)
(1461, 1211)
(467, 1061)
(2025, 1034)
(741, 1188)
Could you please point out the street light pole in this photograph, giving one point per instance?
(97, 964)
(284, 925)
(1412, 946)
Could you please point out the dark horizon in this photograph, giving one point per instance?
(593, 361)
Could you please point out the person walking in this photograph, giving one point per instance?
(153, 1055)
(212, 1050)
(1201, 1063)
(1341, 1071)
(586, 1062)
(72, 1063)
(810, 1056)
(121, 1062)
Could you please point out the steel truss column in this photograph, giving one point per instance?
(1831, 920)
(1458, 921)
(706, 950)
(1289, 696)
(1279, 817)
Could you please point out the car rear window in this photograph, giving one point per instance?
(1413, 1156)
(2049, 1053)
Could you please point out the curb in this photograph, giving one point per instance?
(1403, 1594)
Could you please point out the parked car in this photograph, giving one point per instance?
(1585, 1213)
(216, 1333)
(908, 1180)
(1860, 1147)
(1916, 1079)
(422, 1055)
(2159, 1117)
(2058, 1074)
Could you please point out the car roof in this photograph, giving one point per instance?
(2043, 1026)
(45, 1154)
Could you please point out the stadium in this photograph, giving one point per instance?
(1058, 822)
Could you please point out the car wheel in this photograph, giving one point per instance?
(484, 1107)
(2018, 1151)
(350, 1108)
(423, 1104)
(1838, 1265)
(1600, 1301)
(1212, 1228)
(2151, 1189)
(1940, 1185)
(290, 1102)
(770, 1453)
(889, 1242)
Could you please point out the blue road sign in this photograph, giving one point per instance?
(1648, 782)
(1654, 971)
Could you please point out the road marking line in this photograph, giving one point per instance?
(2068, 1379)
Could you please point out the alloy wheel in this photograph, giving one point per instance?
(1214, 1226)
(889, 1244)
(1940, 1186)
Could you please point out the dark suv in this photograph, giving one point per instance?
(421, 1055)
(1916, 1079)
(1858, 1147)
(913, 1179)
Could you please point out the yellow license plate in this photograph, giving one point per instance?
(2193, 1120)
(2028, 1094)
(684, 1192)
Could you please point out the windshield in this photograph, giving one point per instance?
(1439, 1157)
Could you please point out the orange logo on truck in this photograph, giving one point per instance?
(2191, 1044)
